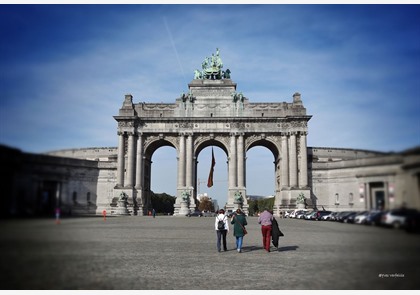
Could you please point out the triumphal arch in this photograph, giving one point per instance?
(211, 113)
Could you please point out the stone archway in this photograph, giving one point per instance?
(213, 112)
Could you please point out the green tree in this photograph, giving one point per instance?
(253, 207)
(265, 203)
(163, 203)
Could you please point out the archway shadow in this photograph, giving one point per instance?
(287, 248)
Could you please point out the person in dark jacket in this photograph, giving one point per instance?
(239, 231)
(275, 233)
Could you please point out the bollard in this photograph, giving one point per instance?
(104, 214)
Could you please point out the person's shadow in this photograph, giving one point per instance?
(287, 248)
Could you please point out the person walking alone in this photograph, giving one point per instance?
(239, 231)
(266, 221)
(222, 228)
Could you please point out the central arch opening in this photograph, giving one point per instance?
(219, 190)
(260, 172)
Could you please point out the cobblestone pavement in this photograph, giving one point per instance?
(179, 253)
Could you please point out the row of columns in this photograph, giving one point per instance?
(135, 167)
(291, 174)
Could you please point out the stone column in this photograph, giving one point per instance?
(241, 161)
(139, 163)
(120, 159)
(189, 162)
(232, 163)
(284, 174)
(181, 162)
(129, 181)
(292, 160)
(303, 175)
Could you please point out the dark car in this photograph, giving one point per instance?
(374, 218)
(340, 216)
(349, 218)
(412, 222)
(195, 213)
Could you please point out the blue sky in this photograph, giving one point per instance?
(64, 71)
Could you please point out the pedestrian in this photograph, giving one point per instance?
(266, 221)
(239, 230)
(221, 226)
(154, 213)
(275, 232)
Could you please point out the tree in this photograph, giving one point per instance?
(253, 207)
(163, 203)
(265, 203)
(206, 205)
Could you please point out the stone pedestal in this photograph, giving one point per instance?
(301, 206)
(183, 211)
(237, 205)
(122, 208)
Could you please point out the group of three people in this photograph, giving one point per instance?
(269, 228)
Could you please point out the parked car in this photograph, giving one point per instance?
(310, 215)
(361, 217)
(322, 213)
(412, 223)
(396, 218)
(287, 213)
(301, 214)
(341, 215)
(330, 216)
(374, 218)
(195, 213)
(349, 218)
(296, 211)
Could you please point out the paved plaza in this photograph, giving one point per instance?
(179, 253)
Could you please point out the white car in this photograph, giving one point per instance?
(296, 212)
(362, 217)
(396, 218)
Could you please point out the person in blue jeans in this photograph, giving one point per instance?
(239, 230)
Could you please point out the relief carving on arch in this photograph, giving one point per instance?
(123, 124)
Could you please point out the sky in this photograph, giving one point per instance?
(64, 71)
